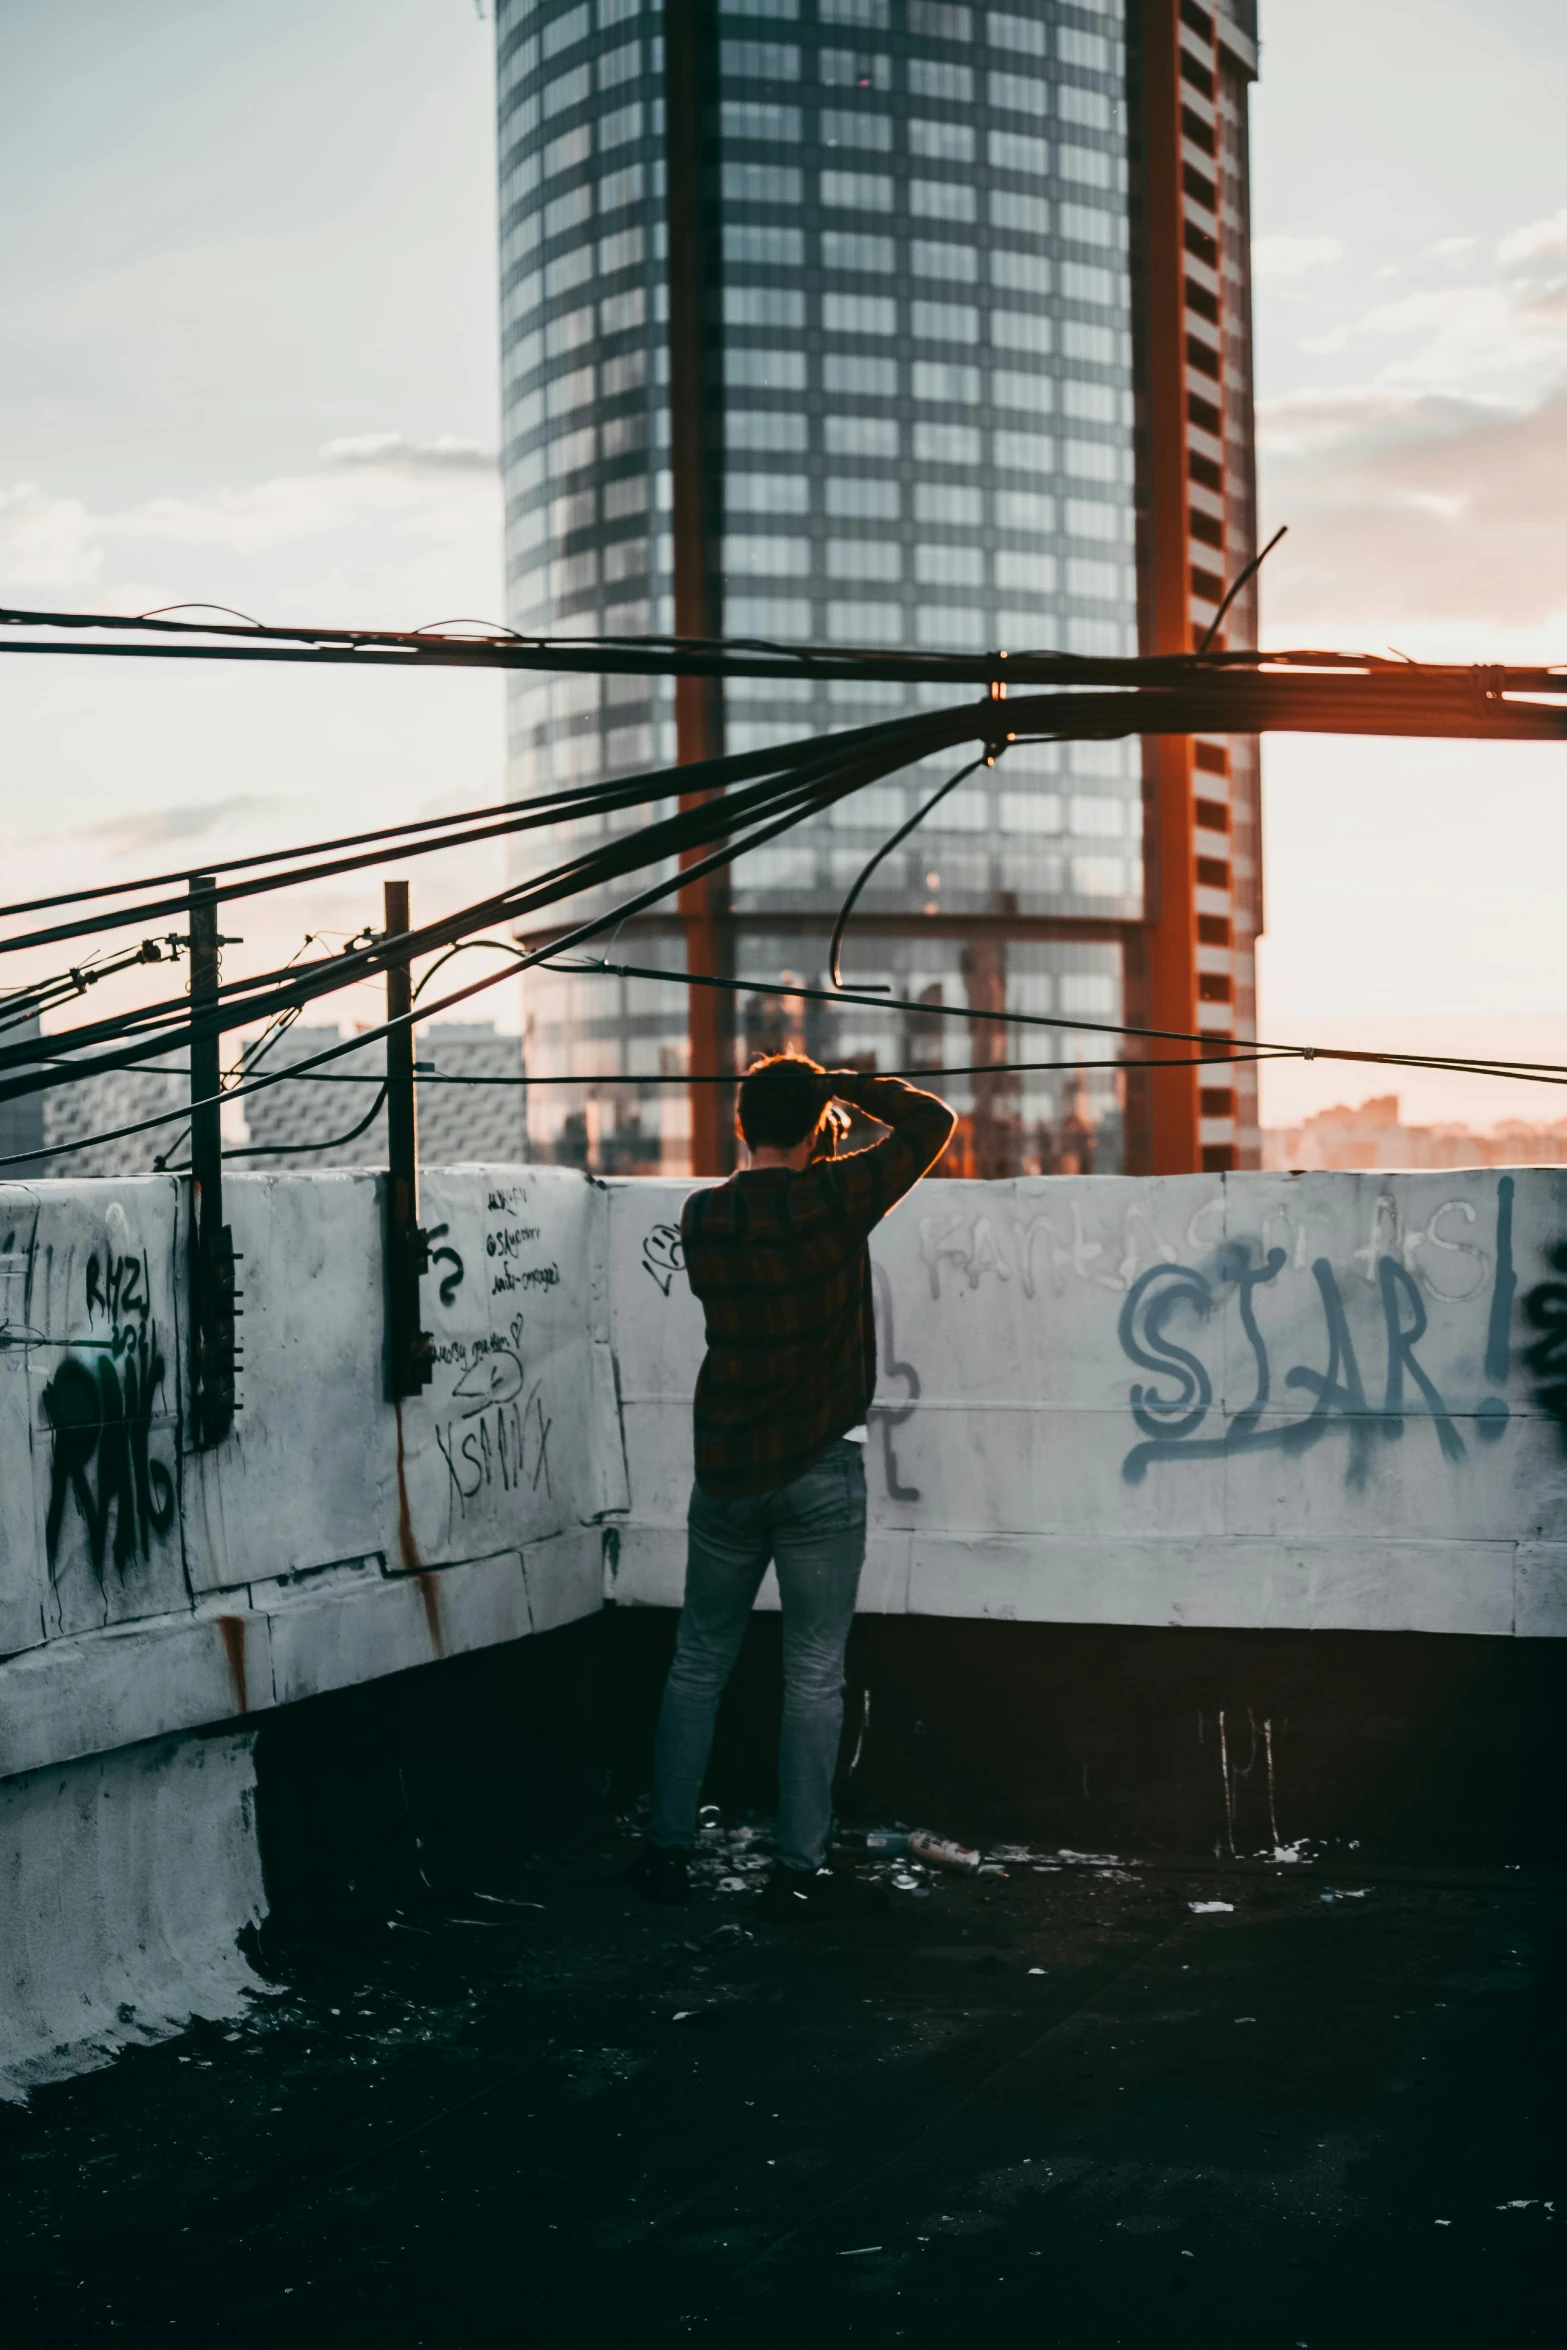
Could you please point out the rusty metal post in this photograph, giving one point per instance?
(690, 88)
(409, 1367)
(212, 1293)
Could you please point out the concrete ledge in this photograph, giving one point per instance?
(271, 1644)
(1490, 1588)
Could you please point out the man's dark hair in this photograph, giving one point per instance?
(781, 1100)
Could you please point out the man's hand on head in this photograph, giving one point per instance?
(834, 1126)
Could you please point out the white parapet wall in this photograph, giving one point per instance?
(1324, 1402)
(1247, 1400)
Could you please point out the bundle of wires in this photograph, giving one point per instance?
(727, 808)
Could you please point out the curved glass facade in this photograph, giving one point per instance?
(919, 367)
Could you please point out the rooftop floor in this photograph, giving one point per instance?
(1068, 2106)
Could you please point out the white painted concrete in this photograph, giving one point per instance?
(1065, 1433)
(126, 1879)
(1101, 1401)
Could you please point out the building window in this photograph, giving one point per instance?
(839, 129)
(861, 436)
(761, 183)
(860, 314)
(941, 200)
(864, 559)
(941, 142)
(841, 250)
(748, 119)
(946, 322)
(957, 263)
(858, 191)
(870, 379)
(862, 499)
(767, 493)
(762, 61)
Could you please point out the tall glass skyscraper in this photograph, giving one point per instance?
(922, 383)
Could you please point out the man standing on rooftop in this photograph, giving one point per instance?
(778, 1257)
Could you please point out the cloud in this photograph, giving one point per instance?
(1287, 257)
(444, 455)
(46, 542)
(152, 828)
(1450, 248)
(394, 519)
(1409, 507)
(1541, 240)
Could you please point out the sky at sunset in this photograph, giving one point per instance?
(248, 354)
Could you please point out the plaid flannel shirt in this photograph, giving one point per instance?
(780, 1263)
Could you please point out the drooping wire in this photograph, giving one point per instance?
(887, 846)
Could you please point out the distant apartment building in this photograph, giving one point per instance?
(470, 1101)
(1375, 1135)
(962, 341)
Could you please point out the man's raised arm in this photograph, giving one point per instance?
(921, 1127)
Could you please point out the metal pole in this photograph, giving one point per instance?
(409, 1366)
(212, 1294)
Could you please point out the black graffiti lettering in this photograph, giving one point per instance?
(663, 1255)
(70, 1404)
(95, 1421)
(1545, 1310)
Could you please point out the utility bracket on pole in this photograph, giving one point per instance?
(410, 1367)
(213, 1296)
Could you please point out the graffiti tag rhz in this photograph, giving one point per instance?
(100, 1413)
(1169, 1416)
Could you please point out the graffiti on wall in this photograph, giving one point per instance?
(101, 1402)
(495, 1431)
(1442, 1258)
(1169, 1416)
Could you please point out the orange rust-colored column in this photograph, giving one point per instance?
(1170, 964)
(689, 30)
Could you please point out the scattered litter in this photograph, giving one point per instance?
(904, 1879)
(1188, 2255)
(887, 1843)
(503, 1901)
(943, 1852)
(1092, 1860)
(1345, 1893)
(1245, 2019)
(698, 2015)
(990, 1868)
(1441, 2223)
(1520, 2203)
(1039, 1970)
(854, 2251)
(1204, 1907)
(730, 1860)
(1285, 1854)
(1018, 1854)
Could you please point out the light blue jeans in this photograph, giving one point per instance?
(814, 1530)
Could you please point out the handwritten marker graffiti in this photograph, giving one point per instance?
(1168, 1415)
(663, 1255)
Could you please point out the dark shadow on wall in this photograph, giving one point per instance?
(1414, 1747)
(1399, 1747)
